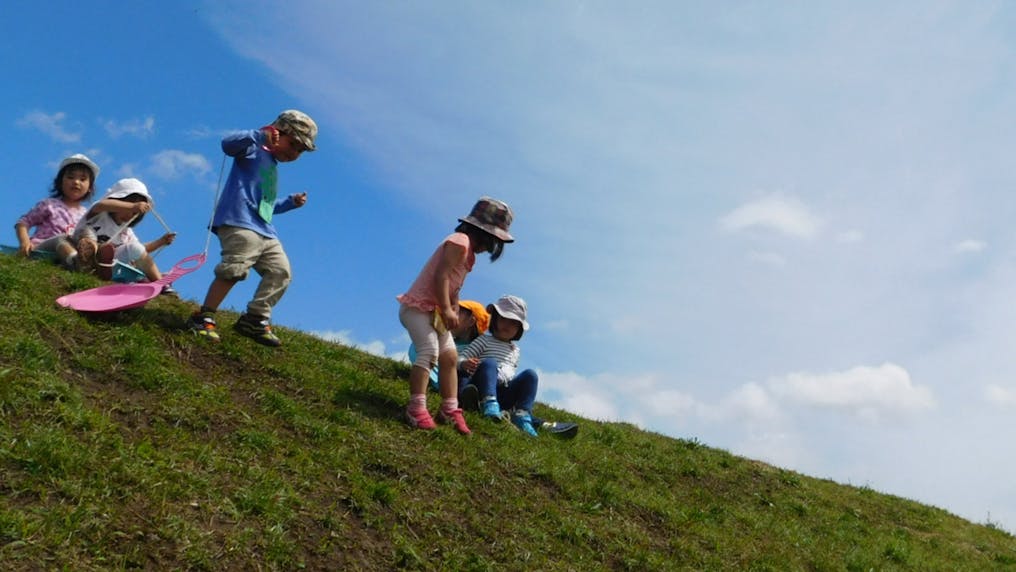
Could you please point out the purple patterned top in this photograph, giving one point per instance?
(52, 217)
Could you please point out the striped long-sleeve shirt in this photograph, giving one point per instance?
(506, 353)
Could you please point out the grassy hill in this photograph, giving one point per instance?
(127, 443)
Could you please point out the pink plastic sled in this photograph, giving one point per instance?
(114, 297)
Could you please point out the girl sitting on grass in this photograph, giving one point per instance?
(55, 218)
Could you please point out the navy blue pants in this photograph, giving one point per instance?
(520, 393)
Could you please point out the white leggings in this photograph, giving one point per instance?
(429, 344)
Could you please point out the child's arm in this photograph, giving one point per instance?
(163, 240)
(24, 242)
(244, 143)
(452, 256)
(469, 356)
(116, 206)
(291, 202)
(32, 218)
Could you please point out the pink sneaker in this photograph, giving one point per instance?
(420, 419)
(454, 417)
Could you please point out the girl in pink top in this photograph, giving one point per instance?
(429, 309)
(55, 218)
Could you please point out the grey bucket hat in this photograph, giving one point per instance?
(513, 308)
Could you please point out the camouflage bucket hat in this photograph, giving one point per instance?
(493, 216)
(299, 125)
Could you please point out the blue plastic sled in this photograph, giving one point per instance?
(36, 254)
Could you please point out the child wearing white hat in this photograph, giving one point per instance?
(54, 218)
(110, 223)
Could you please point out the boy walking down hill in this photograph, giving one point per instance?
(243, 223)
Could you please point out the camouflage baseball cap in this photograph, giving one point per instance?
(299, 125)
(492, 216)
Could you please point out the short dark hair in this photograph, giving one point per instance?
(57, 190)
(135, 198)
(495, 318)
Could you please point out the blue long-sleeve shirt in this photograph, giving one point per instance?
(252, 176)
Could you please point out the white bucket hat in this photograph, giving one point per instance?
(513, 308)
(78, 158)
(125, 187)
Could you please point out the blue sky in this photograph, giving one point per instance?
(783, 229)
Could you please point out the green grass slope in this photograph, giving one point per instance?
(128, 443)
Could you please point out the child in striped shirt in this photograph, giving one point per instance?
(492, 362)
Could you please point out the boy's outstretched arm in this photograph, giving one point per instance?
(286, 204)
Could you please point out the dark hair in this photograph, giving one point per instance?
(490, 242)
(135, 198)
(471, 334)
(495, 318)
(57, 191)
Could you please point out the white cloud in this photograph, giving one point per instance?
(375, 347)
(784, 215)
(864, 390)
(590, 397)
(969, 246)
(668, 403)
(749, 403)
(173, 164)
(127, 170)
(999, 396)
(768, 258)
(140, 128)
(780, 448)
(50, 124)
(850, 236)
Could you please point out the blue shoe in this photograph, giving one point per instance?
(524, 421)
(491, 410)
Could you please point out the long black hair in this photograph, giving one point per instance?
(57, 191)
(490, 242)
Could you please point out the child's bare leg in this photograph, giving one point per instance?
(147, 265)
(64, 252)
(217, 292)
(447, 375)
(418, 378)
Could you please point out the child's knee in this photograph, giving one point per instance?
(133, 253)
(426, 358)
(231, 271)
(84, 233)
(448, 359)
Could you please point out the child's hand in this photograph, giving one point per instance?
(168, 238)
(300, 199)
(450, 318)
(140, 208)
(271, 137)
(469, 365)
(25, 249)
